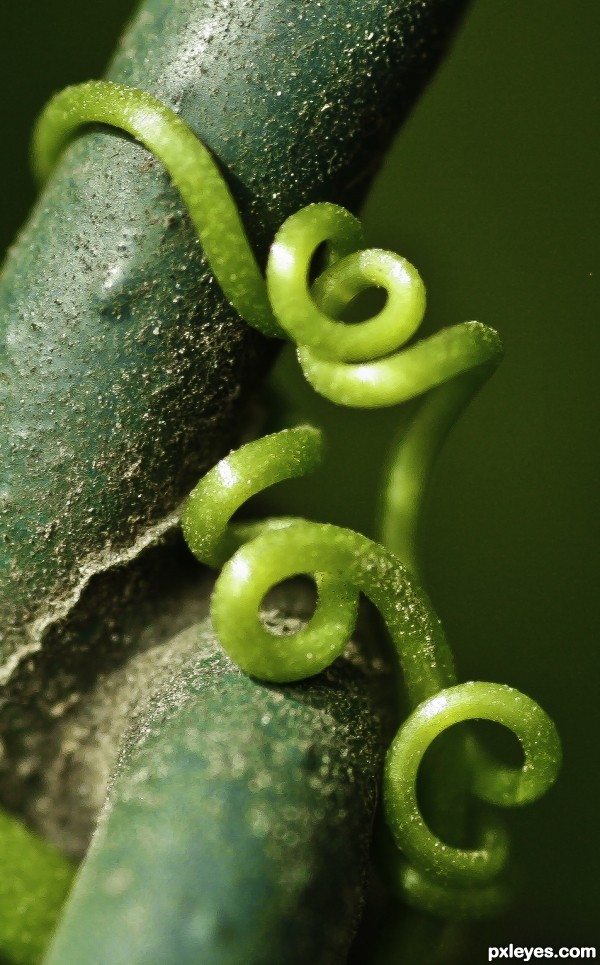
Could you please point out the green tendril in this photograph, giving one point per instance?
(364, 365)
(342, 561)
(192, 168)
(343, 564)
(353, 365)
(502, 786)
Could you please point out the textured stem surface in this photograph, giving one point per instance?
(118, 353)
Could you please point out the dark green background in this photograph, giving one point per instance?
(492, 191)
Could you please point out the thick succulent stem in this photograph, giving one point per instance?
(123, 369)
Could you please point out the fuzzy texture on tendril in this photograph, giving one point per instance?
(439, 878)
(363, 365)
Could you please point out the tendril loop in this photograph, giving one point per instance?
(366, 365)
(345, 563)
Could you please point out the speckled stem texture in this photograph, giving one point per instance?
(237, 825)
(122, 370)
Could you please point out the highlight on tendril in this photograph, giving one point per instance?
(190, 165)
(500, 786)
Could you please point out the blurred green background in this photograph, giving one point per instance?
(492, 192)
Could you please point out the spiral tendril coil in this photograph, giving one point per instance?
(364, 365)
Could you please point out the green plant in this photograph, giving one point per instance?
(343, 562)
(557, 430)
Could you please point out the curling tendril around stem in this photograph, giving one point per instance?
(438, 877)
(364, 365)
(354, 365)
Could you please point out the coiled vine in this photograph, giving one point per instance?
(362, 365)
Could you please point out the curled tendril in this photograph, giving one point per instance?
(359, 365)
(343, 563)
(354, 365)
